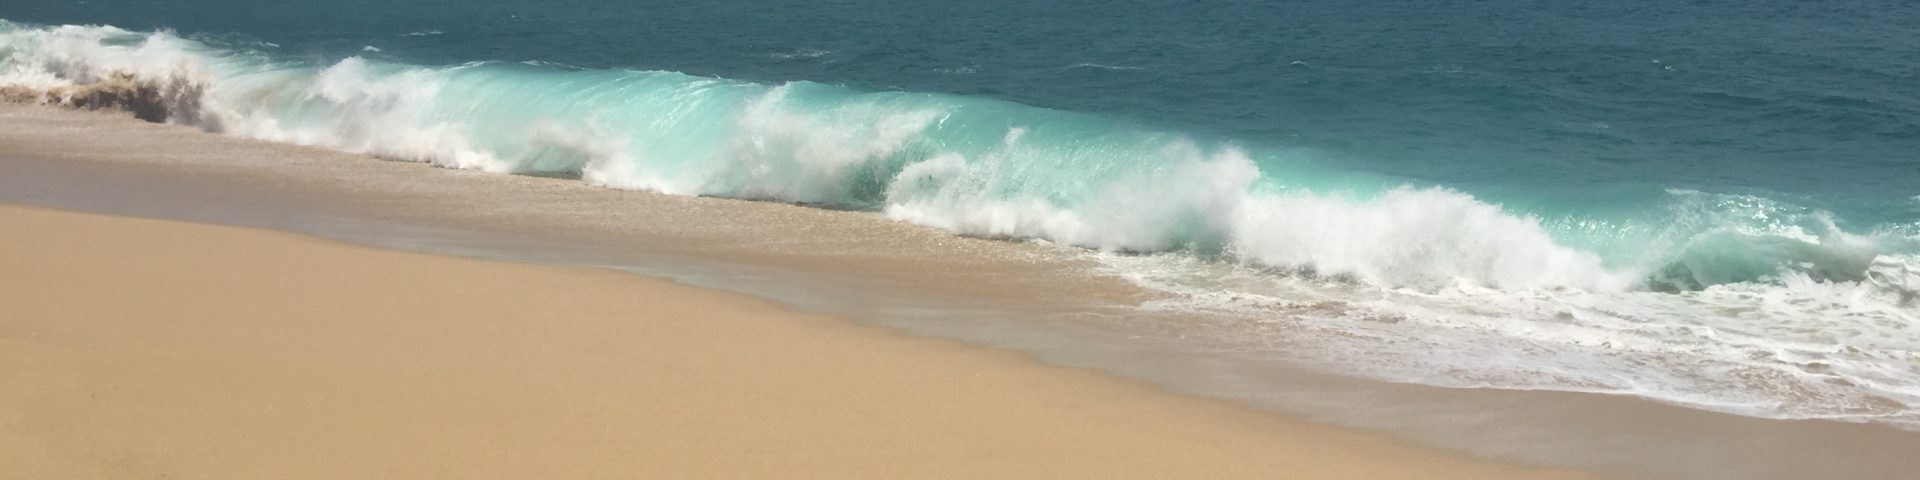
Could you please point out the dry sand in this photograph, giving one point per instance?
(134, 348)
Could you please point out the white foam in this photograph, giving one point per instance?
(1798, 348)
(801, 54)
(1097, 66)
(1422, 238)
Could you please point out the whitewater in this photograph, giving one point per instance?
(1722, 300)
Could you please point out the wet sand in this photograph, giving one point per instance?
(1039, 300)
(137, 348)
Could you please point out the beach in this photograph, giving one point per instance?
(140, 348)
(1029, 306)
(863, 238)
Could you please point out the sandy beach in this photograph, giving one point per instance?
(858, 239)
(1023, 305)
(136, 348)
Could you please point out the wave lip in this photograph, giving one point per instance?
(1681, 288)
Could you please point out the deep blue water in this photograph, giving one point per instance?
(1813, 100)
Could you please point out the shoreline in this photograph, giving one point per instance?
(150, 348)
(870, 270)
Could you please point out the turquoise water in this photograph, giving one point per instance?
(1720, 188)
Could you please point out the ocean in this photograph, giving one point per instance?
(1712, 204)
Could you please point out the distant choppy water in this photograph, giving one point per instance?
(1711, 203)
